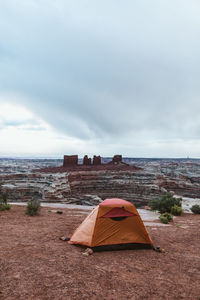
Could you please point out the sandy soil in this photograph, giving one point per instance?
(35, 264)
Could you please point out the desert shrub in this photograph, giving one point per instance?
(166, 218)
(195, 209)
(4, 206)
(3, 201)
(33, 207)
(165, 203)
(4, 197)
(176, 210)
(163, 219)
(7, 206)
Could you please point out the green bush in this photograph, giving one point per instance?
(3, 201)
(176, 210)
(166, 218)
(195, 209)
(4, 206)
(163, 219)
(4, 197)
(33, 207)
(165, 203)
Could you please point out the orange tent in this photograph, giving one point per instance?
(113, 224)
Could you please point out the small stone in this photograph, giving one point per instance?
(64, 238)
(89, 251)
(162, 250)
(147, 207)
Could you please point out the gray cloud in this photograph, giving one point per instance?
(30, 125)
(105, 69)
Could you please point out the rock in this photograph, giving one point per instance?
(96, 160)
(87, 252)
(83, 187)
(117, 159)
(137, 184)
(87, 161)
(46, 187)
(90, 200)
(64, 238)
(147, 207)
(70, 160)
(159, 249)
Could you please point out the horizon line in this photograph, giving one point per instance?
(81, 157)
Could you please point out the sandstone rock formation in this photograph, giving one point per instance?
(47, 187)
(75, 186)
(137, 187)
(87, 161)
(150, 179)
(96, 160)
(117, 159)
(70, 160)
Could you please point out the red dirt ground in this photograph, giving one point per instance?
(35, 264)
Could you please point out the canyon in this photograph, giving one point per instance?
(137, 180)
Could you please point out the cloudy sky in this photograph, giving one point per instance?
(100, 77)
